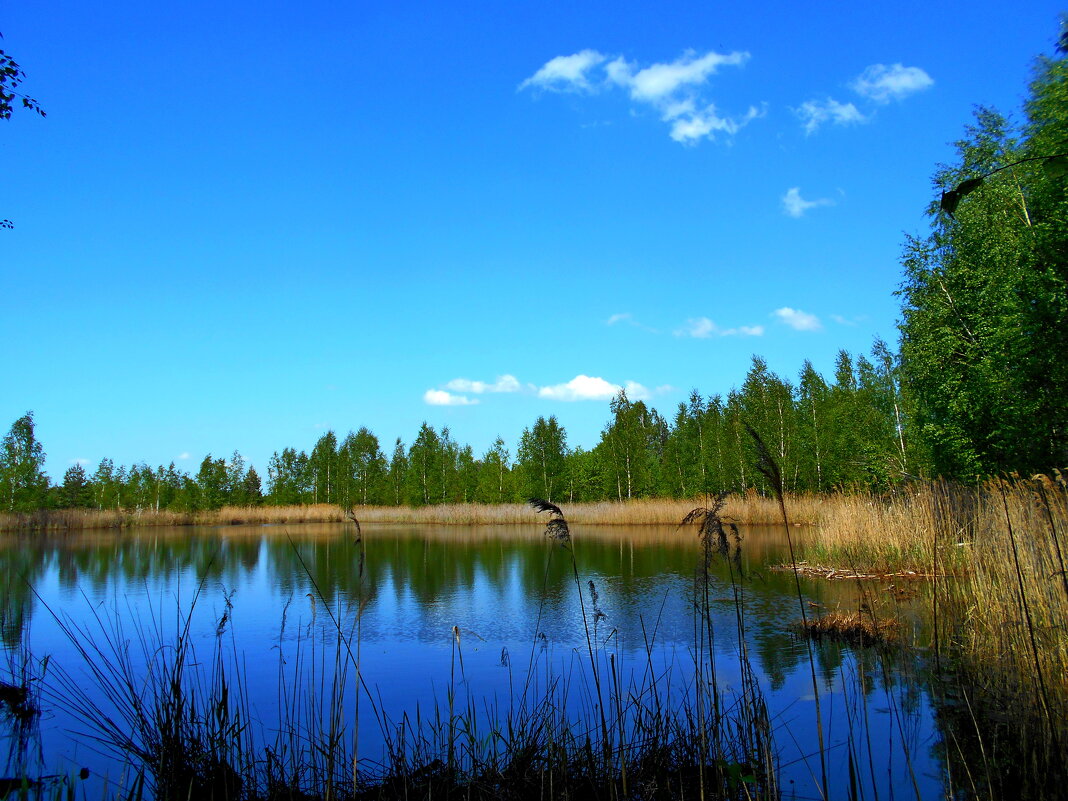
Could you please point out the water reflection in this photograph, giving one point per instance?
(507, 590)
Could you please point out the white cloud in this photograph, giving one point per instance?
(797, 319)
(81, 461)
(814, 113)
(504, 383)
(584, 387)
(565, 73)
(636, 391)
(673, 88)
(697, 125)
(883, 83)
(704, 328)
(439, 397)
(185, 455)
(793, 205)
(663, 81)
(628, 318)
(745, 331)
(698, 328)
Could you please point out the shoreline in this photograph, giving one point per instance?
(749, 509)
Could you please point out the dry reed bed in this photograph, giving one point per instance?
(855, 628)
(747, 508)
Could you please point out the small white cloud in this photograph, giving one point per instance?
(745, 331)
(504, 383)
(584, 387)
(664, 80)
(882, 83)
(565, 73)
(793, 205)
(81, 461)
(813, 113)
(185, 455)
(673, 88)
(439, 397)
(636, 391)
(797, 319)
(628, 319)
(705, 124)
(704, 328)
(698, 328)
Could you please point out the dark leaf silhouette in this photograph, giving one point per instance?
(557, 528)
(540, 505)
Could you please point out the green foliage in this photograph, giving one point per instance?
(985, 299)
(75, 492)
(397, 477)
(23, 484)
(542, 459)
(287, 477)
(631, 448)
(362, 469)
(11, 75)
(425, 484)
(495, 484)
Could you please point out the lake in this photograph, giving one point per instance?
(473, 618)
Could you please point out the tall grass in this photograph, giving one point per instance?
(994, 558)
(748, 508)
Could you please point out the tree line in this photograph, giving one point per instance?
(849, 432)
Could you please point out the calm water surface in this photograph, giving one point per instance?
(513, 600)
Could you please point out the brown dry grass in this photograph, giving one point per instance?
(855, 628)
(747, 508)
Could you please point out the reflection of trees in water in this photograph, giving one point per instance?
(22, 568)
(633, 576)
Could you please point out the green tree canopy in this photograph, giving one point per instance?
(985, 298)
(23, 484)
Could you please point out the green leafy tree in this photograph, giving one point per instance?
(363, 468)
(323, 469)
(252, 489)
(985, 299)
(467, 475)
(813, 427)
(397, 477)
(287, 477)
(584, 476)
(449, 464)
(212, 483)
(11, 76)
(426, 473)
(767, 403)
(495, 474)
(23, 483)
(105, 488)
(235, 480)
(630, 448)
(76, 493)
(542, 458)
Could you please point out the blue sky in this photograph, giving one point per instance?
(243, 224)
